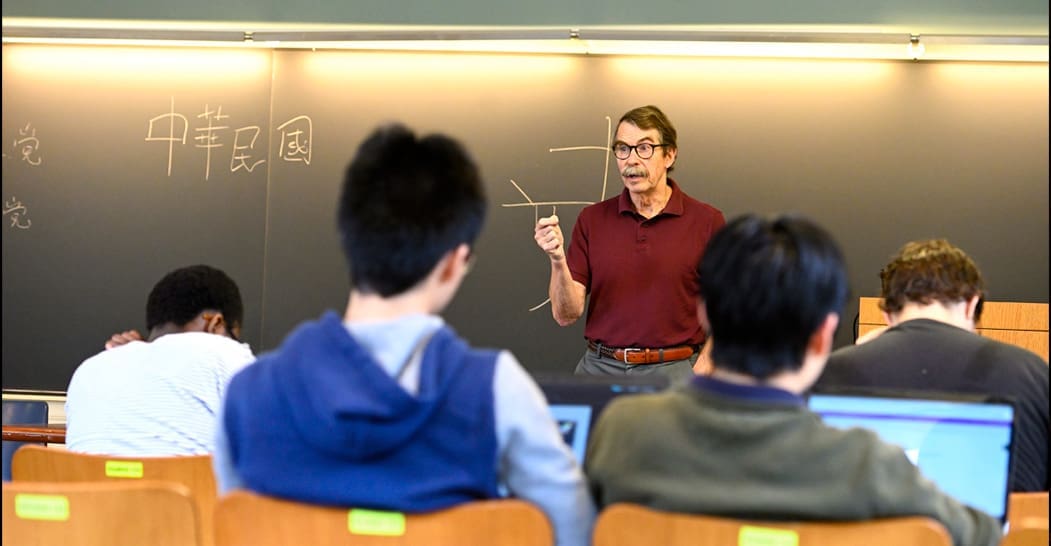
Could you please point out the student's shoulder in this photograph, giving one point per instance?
(643, 406)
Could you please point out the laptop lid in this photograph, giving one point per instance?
(576, 401)
(963, 443)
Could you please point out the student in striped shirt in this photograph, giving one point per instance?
(160, 396)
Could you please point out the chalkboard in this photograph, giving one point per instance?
(102, 195)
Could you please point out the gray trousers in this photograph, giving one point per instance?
(678, 371)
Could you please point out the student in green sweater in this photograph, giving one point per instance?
(741, 441)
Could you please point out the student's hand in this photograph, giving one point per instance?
(549, 237)
(123, 338)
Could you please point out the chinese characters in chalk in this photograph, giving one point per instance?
(213, 131)
(28, 145)
(16, 213)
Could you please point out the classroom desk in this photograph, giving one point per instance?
(43, 434)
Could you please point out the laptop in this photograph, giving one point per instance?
(963, 443)
(576, 401)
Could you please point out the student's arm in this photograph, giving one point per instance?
(226, 477)
(535, 463)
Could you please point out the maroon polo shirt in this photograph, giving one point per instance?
(642, 274)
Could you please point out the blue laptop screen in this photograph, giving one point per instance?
(577, 401)
(962, 446)
(574, 422)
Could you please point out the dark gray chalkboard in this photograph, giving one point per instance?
(878, 152)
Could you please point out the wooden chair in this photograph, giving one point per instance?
(243, 518)
(99, 514)
(631, 525)
(1027, 536)
(1026, 506)
(41, 464)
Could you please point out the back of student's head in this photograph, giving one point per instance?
(186, 292)
(406, 202)
(930, 271)
(767, 285)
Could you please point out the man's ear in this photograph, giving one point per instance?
(670, 156)
(454, 262)
(972, 309)
(214, 322)
(821, 340)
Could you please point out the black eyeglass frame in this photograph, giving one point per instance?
(635, 148)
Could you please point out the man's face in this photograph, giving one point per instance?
(642, 175)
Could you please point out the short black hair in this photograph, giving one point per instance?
(406, 202)
(767, 285)
(188, 291)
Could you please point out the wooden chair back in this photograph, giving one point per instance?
(244, 518)
(1026, 506)
(99, 514)
(42, 464)
(630, 525)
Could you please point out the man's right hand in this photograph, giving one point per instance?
(549, 238)
(123, 338)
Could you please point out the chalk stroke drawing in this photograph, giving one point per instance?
(28, 145)
(213, 130)
(529, 202)
(16, 211)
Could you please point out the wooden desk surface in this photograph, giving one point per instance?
(49, 434)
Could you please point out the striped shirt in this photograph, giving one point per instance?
(157, 398)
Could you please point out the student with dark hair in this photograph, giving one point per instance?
(932, 294)
(162, 397)
(385, 407)
(741, 442)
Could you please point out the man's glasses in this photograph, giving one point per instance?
(643, 149)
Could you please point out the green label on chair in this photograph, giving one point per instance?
(374, 522)
(48, 507)
(765, 536)
(123, 469)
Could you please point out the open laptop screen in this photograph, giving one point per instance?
(961, 443)
(577, 401)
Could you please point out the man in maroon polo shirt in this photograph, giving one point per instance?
(636, 254)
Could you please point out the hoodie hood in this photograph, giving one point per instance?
(343, 402)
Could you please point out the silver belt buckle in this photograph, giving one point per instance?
(629, 350)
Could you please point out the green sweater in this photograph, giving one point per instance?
(713, 451)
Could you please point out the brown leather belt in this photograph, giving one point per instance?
(632, 355)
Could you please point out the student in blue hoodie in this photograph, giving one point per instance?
(386, 407)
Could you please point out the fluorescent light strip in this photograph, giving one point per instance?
(665, 41)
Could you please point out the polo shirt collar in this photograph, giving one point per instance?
(757, 393)
(674, 206)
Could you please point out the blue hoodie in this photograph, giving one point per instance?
(320, 421)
